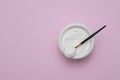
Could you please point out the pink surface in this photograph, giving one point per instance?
(29, 32)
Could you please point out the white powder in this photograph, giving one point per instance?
(69, 51)
(72, 37)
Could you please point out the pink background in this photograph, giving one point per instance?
(29, 32)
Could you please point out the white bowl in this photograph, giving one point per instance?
(76, 25)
